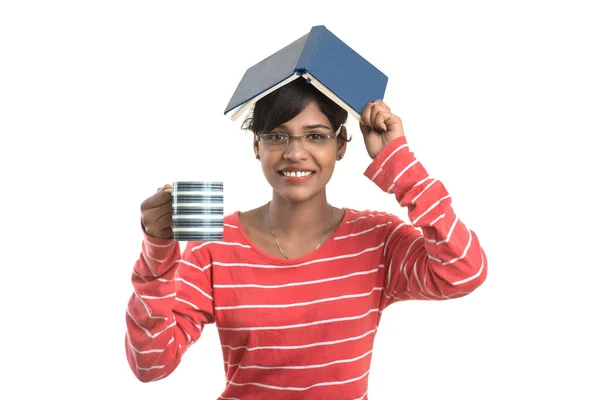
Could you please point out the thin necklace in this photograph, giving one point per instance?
(322, 237)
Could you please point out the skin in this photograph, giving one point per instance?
(299, 212)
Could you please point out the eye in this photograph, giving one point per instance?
(317, 137)
(275, 137)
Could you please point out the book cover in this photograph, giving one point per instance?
(322, 59)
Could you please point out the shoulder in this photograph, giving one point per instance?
(233, 227)
(366, 229)
(370, 223)
(369, 218)
(231, 220)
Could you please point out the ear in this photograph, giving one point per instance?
(255, 146)
(342, 141)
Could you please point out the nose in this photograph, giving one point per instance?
(295, 150)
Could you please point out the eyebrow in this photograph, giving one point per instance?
(307, 127)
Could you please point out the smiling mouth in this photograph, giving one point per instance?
(296, 174)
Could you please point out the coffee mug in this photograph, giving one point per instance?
(197, 211)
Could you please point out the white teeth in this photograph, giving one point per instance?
(296, 174)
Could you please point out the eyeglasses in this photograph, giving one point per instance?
(280, 141)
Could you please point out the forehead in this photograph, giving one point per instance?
(310, 117)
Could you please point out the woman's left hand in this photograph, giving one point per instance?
(379, 127)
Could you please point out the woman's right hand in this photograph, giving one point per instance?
(157, 214)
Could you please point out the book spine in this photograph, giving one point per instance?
(310, 48)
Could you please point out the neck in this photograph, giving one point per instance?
(299, 218)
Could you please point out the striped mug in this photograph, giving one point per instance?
(197, 211)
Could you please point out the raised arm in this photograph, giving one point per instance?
(436, 256)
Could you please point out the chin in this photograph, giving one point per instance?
(298, 191)
(296, 195)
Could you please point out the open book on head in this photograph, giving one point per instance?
(325, 61)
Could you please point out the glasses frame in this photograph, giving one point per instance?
(300, 138)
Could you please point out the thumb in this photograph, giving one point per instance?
(365, 129)
(166, 187)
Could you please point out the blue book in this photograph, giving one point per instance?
(323, 60)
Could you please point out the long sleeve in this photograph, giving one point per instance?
(171, 303)
(436, 256)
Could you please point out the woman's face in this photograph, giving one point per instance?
(301, 170)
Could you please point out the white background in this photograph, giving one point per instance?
(102, 102)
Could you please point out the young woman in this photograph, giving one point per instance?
(297, 286)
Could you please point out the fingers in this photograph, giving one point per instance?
(379, 117)
(163, 219)
(365, 120)
(374, 116)
(158, 217)
(158, 199)
(166, 187)
(157, 214)
(158, 221)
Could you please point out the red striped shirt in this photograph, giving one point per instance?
(302, 328)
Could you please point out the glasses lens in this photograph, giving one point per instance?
(316, 139)
(276, 141)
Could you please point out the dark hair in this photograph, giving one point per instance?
(287, 102)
